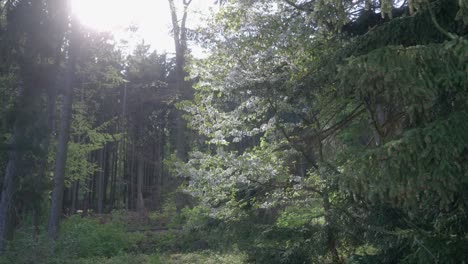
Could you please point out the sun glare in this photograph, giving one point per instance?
(150, 17)
(107, 15)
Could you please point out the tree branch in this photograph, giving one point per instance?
(299, 7)
(438, 26)
(288, 138)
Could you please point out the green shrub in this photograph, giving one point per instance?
(121, 259)
(25, 250)
(166, 241)
(79, 238)
(168, 214)
(195, 218)
(86, 237)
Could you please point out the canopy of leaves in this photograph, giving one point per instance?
(372, 119)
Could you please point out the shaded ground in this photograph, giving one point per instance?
(120, 238)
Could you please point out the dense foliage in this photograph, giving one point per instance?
(366, 128)
(322, 131)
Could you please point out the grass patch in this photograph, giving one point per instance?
(205, 257)
(93, 241)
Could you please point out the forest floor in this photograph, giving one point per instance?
(166, 245)
(165, 238)
(118, 238)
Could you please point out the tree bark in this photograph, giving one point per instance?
(100, 181)
(180, 42)
(140, 176)
(329, 229)
(114, 174)
(131, 184)
(89, 187)
(26, 104)
(62, 145)
(74, 197)
(8, 189)
(51, 108)
(122, 152)
(107, 175)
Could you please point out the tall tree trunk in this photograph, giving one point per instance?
(131, 188)
(180, 42)
(26, 105)
(330, 230)
(113, 186)
(100, 181)
(89, 188)
(154, 176)
(51, 108)
(74, 198)
(140, 179)
(67, 193)
(162, 176)
(122, 151)
(8, 188)
(107, 175)
(62, 144)
(94, 188)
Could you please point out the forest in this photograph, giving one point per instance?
(310, 131)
